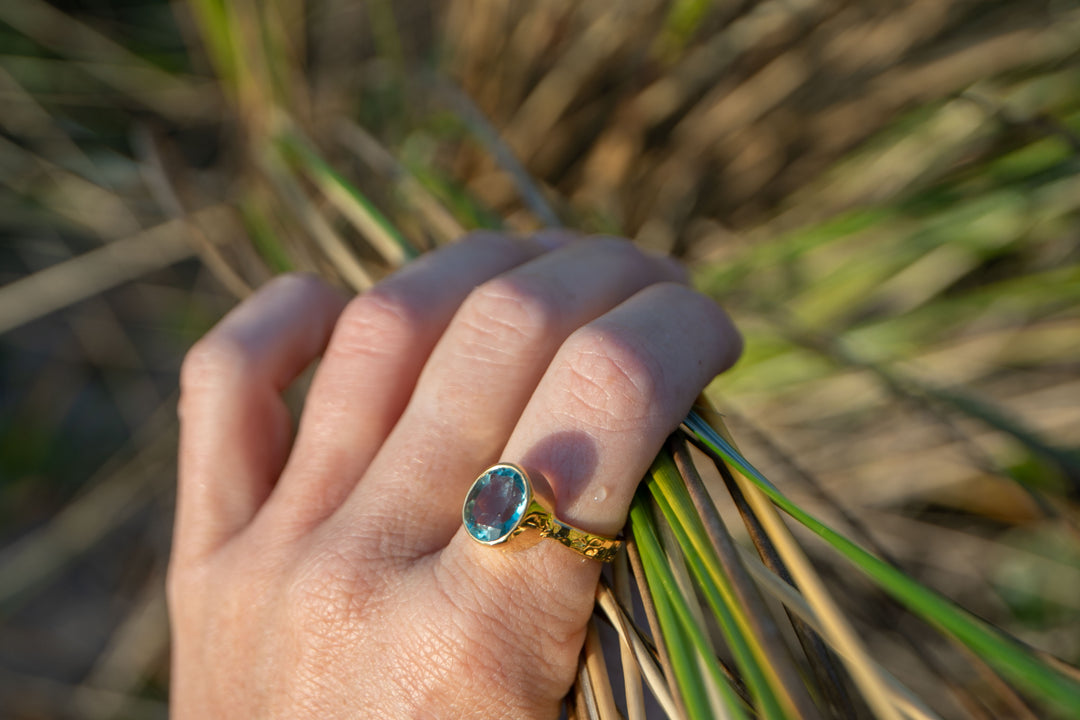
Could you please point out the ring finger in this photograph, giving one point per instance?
(617, 388)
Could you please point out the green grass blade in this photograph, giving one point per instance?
(267, 243)
(216, 31)
(680, 633)
(665, 484)
(1003, 653)
(350, 201)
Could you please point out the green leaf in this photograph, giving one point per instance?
(1005, 654)
(681, 634)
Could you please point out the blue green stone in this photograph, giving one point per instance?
(495, 504)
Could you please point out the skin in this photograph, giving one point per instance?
(328, 575)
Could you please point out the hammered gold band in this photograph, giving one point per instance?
(592, 546)
(500, 505)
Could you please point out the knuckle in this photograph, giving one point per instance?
(226, 354)
(297, 282)
(508, 310)
(216, 359)
(610, 380)
(377, 323)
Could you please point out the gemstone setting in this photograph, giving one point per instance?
(496, 504)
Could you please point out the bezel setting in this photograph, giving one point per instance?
(495, 525)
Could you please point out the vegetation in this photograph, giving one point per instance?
(886, 197)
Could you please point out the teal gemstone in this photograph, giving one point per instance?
(495, 504)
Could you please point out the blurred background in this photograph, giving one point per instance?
(886, 196)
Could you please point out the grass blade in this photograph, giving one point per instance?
(349, 201)
(315, 224)
(640, 654)
(902, 697)
(598, 675)
(638, 565)
(88, 274)
(684, 637)
(729, 606)
(775, 658)
(1004, 653)
(635, 699)
(489, 137)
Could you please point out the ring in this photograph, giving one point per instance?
(500, 505)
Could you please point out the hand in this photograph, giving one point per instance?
(329, 576)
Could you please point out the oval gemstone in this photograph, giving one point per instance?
(495, 504)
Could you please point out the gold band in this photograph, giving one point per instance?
(592, 546)
(500, 505)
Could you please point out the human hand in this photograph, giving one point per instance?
(329, 576)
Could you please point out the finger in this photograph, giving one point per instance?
(480, 377)
(617, 388)
(381, 343)
(235, 429)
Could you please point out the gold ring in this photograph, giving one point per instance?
(500, 505)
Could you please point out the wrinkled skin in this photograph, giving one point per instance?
(329, 576)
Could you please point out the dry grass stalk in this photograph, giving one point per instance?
(87, 275)
(643, 660)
